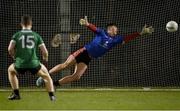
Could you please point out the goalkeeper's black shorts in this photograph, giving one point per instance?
(82, 55)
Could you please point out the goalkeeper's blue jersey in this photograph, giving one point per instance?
(102, 43)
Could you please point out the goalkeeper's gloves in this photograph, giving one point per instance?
(84, 21)
(147, 30)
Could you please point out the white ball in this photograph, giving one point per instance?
(39, 82)
(171, 26)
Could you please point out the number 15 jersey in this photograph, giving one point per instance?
(26, 45)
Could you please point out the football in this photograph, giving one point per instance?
(171, 26)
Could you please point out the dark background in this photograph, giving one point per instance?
(148, 61)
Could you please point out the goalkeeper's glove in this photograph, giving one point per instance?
(84, 21)
(147, 30)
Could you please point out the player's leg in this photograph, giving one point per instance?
(80, 68)
(43, 72)
(79, 56)
(68, 63)
(72, 59)
(14, 83)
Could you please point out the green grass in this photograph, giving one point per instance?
(94, 100)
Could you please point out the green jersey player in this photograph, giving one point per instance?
(23, 48)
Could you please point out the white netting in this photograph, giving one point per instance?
(148, 61)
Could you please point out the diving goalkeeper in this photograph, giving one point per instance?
(104, 41)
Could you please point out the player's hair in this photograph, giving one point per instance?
(111, 24)
(26, 20)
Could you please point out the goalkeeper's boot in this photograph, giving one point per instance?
(56, 84)
(13, 96)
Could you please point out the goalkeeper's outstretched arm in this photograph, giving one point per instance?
(90, 26)
(145, 30)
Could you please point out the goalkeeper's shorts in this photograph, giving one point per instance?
(82, 55)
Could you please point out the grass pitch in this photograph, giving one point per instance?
(93, 100)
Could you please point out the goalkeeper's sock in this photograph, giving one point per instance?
(56, 83)
(16, 92)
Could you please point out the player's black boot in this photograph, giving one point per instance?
(13, 96)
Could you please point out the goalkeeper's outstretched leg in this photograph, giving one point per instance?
(79, 58)
(80, 68)
(68, 63)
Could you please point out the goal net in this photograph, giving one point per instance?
(148, 61)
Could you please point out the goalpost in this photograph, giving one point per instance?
(148, 61)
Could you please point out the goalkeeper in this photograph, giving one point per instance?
(101, 44)
(23, 48)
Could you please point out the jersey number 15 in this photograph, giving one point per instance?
(27, 41)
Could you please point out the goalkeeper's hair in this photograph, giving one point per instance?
(26, 20)
(111, 24)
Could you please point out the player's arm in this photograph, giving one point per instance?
(90, 26)
(43, 48)
(145, 30)
(11, 48)
(44, 51)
